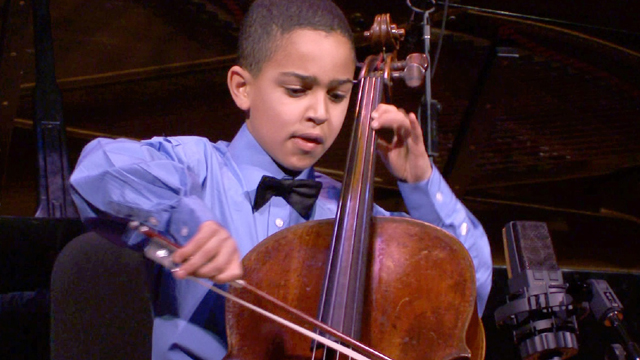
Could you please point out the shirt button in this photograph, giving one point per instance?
(184, 231)
(439, 197)
(464, 228)
(279, 222)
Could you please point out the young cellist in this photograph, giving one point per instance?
(293, 81)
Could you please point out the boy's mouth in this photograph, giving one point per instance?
(313, 138)
(308, 141)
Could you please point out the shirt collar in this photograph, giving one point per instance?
(253, 162)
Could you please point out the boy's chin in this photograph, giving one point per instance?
(294, 169)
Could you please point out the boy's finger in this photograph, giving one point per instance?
(188, 264)
(189, 267)
(207, 253)
(416, 129)
(206, 231)
(215, 256)
(225, 267)
(233, 272)
(188, 250)
(393, 120)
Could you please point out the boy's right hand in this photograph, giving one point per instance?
(211, 253)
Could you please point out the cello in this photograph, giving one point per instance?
(403, 287)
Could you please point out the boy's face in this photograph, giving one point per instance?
(298, 102)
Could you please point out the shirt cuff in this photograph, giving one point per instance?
(179, 223)
(428, 200)
(187, 217)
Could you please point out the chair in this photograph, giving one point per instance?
(100, 302)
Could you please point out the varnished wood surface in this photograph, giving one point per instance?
(407, 313)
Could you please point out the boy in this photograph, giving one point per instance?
(293, 82)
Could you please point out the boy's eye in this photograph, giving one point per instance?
(295, 91)
(337, 96)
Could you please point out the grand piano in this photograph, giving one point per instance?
(534, 116)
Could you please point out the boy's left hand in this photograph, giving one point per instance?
(405, 156)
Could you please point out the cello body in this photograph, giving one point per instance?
(420, 299)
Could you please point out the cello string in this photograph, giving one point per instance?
(354, 248)
(329, 283)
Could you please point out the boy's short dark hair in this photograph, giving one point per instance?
(267, 21)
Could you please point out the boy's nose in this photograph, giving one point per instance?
(319, 109)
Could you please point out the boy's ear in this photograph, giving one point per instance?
(238, 81)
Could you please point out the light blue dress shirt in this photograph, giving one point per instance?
(174, 184)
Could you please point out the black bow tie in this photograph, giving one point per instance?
(300, 194)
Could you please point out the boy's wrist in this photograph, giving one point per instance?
(419, 173)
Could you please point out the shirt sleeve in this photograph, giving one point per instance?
(155, 182)
(434, 202)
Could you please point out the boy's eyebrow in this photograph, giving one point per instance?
(313, 80)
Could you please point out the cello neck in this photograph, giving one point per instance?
(346, 275)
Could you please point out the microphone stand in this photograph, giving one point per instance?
(432, 107)
(607, 309)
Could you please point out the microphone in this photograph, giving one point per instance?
(538, 311)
